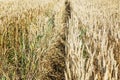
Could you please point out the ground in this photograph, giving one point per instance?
(59, 40)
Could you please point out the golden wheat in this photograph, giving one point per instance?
(59, 40)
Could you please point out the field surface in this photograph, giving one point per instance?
(59, 40)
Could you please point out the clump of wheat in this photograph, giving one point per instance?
(93, 41)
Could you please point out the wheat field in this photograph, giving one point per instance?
(59, 40)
